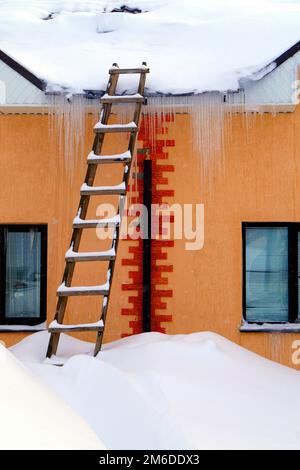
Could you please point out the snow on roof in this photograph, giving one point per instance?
(33, 417)
(190, 46)
(155, 391)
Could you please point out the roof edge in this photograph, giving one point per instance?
(279, 60)
(25, 73)
(287, 54)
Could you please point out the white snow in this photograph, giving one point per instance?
(40, 326)
(118, 156)
(245, 326)
(154, 391)
(116, 187)
(121, 97)
(195, 45)
(129, 125)
(54, 324)
(63, 289)
(115, 220)
(75, 254)
(33, 417)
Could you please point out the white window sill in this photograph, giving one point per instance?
(24, 328)
(270, 327)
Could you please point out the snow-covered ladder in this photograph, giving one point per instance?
(87, 190)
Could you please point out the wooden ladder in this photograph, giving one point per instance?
(87, 190)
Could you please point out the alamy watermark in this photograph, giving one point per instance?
(164, 222)
(296, 352)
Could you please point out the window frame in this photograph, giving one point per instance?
(26, 321)
(293, 229)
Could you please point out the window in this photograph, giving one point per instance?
(23, 261)
(271, 272)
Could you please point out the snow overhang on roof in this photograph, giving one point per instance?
(42, 85)
(65, 46)
(273, 64)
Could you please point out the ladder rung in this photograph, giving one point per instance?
(56, 327)
(74, 256)
(86, 190)
(64, 291)
(100, 128)
(116, 70)
(81, 223)
(110, 99)
(117, 158)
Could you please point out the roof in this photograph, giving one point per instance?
(25, 73)
(202, 46)
(287, 54)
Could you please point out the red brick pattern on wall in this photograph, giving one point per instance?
(151, 144)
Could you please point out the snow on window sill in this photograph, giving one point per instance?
(16, 328)
(270, 327)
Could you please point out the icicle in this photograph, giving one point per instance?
(67, 126)
(208, 113)
(210, 117)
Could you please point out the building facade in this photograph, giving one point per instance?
(241, 282)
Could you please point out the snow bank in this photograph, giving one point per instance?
(191, 46)
(179, 392)
(32, 417)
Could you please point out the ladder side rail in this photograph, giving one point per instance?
(83, 207)
(115, 242)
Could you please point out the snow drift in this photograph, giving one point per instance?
(191, 46)
(154, 391)
(32, 417)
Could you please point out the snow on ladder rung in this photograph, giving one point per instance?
(100, 128)
(110, 99)
(117, 158)
(117, 70)
(98, 223)
(64, 291)
(56, 327)
(74, 256)
(87, 190)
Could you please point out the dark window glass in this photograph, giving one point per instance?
(271, 272)
(23, 286)
(267, 274)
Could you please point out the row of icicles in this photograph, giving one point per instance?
(209, 125)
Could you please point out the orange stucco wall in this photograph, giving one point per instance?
(258, 182)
